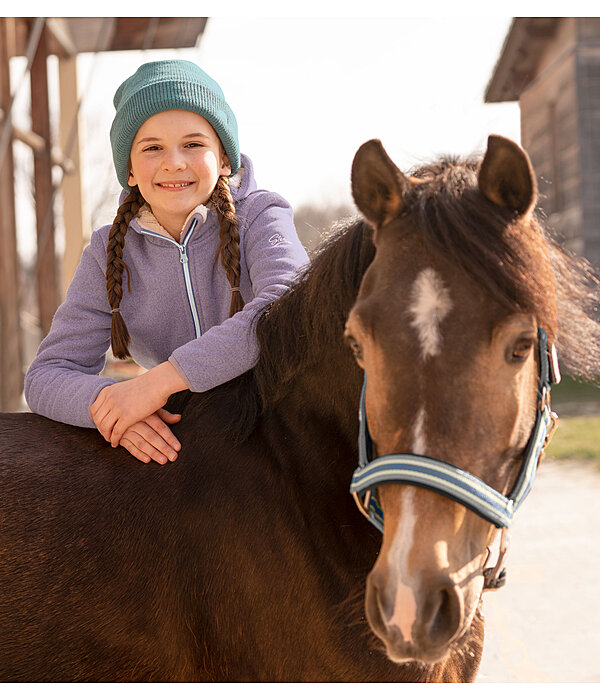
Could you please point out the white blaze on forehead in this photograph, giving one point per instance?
(430, 304)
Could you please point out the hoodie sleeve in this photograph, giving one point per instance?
(274, 256)
(62, 381)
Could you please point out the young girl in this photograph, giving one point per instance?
(194, 252)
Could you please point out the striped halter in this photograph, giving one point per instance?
(445, 478)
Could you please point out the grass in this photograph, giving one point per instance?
(570, 392)
(578, 434)
(577, 437)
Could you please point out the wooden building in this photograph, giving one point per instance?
(551, 65)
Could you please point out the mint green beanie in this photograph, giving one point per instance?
(160, 86)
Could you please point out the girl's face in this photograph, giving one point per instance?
(176, 159)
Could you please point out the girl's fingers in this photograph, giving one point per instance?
(149, 436)
(148, 442)
(168, 417)
(105, 425)
(156, 423)
(120, 426)
(119, 429)
(136, 451)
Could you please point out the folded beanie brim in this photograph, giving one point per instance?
(162, 86)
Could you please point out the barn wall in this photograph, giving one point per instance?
(549, 132)
(588, 110)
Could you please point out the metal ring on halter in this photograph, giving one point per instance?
(494, 577)
(363, 503)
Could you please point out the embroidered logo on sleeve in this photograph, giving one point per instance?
(277, 239)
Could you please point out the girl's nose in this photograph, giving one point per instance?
(173, 159)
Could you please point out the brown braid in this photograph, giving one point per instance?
(119, 335)
(229, 240)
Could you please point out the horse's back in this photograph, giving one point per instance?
(87, 548)
(205, 569)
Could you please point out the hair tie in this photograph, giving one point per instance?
(236, 289)
(115, 311)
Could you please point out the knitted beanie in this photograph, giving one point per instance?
(159, 86)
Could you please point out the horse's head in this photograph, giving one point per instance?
(445, 327)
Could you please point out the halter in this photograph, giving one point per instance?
(450, 481)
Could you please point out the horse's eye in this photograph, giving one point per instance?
(521, 349)
(354, 347)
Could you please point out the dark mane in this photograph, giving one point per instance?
(314, 311)
(482, 238)
(293, 331)
(502, 254)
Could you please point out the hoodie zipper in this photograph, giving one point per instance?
(184, 260)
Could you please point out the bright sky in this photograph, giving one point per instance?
(308, 91)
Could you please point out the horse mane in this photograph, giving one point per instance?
(501, 252)
(311, 315)
(578, 305)
(292, 331)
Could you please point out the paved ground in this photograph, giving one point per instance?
(544, 625)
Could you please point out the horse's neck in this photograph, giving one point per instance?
(317, 419)
(312, 438)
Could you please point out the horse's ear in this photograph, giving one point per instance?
(506, 176)
(377, 184)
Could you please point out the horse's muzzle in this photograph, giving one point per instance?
(428, 633)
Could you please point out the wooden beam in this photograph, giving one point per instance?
(75, 220)
(57, 26)
(38, 145)
(44, 194)
(11, 358)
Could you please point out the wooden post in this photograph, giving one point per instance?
(75, 220)
(11, 369)
(44, 195)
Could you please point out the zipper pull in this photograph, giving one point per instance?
(183, 258)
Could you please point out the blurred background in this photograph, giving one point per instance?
(307, 92)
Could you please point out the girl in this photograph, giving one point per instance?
(151, 284)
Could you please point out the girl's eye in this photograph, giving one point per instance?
(150, 148)
(194, 144)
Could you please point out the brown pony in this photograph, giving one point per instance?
(246, 559)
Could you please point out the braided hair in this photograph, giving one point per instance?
(229, 240)
(119, 335)
(228, 250)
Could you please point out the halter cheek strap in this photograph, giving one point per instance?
(447, 479)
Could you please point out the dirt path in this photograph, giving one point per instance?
(544, 625)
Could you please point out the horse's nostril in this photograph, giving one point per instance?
(382, 606)
(442, 618)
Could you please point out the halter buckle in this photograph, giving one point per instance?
(363, 504)
(551, 428)
(495, 577)
(544, 402)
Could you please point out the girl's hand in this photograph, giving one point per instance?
(151, 439)
(119, 406)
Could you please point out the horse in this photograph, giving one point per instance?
(247, 559)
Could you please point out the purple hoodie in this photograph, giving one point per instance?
(178, 307)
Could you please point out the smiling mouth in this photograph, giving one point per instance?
(173, 185)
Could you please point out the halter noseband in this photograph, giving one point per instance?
(448, 480)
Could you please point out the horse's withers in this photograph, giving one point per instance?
(452, 373)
